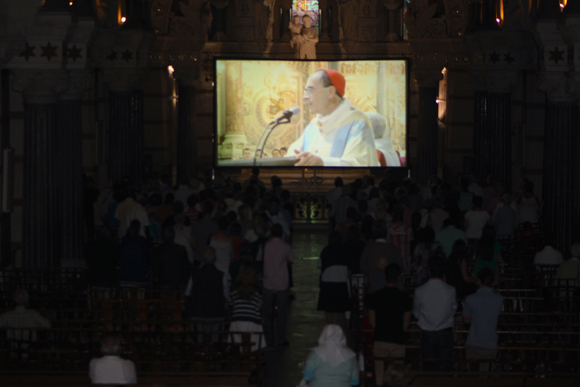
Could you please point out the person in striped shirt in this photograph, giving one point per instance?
(246, 302)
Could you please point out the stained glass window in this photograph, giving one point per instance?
(405, 33)
(302, 8)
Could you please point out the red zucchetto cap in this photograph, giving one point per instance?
(337, 80)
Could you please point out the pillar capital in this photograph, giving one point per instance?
(79, 81)
(124, 79)
(428, 76)
(494, 81)
(188, 75)
(41, 87)
(559, 87)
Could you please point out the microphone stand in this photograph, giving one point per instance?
(261, 149)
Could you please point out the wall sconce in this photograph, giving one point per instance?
(563, 4)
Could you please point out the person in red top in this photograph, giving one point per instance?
(276, 255)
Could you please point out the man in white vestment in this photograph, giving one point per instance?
(340, 135)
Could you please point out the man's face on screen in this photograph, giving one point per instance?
(316, 95)
(247, 154)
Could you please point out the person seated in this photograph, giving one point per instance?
(570, 269)
(398, 374)
(331, 363)
(22, 317)
(112, 369)
(549, 255)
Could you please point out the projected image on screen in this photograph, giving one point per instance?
(298, 114)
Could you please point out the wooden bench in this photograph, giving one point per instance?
(55, 379)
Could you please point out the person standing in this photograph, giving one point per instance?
(482, 310)
(434, 306)
(334, 296)
(390, 316)
(276, 254)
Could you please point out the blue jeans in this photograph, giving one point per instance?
(275, 300)
(437, 345)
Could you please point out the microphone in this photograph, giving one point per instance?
(286, 115)
(283, 119)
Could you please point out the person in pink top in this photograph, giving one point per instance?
(276, 255)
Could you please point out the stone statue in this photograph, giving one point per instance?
(295, 32)
(304, 37)
(309, 37)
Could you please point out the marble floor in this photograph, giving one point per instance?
(284, 364)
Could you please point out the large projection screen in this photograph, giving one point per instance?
(371, 116)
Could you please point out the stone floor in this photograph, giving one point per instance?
(284, 365)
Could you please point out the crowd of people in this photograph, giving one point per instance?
(227, 246)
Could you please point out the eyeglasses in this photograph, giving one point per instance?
(309, 90)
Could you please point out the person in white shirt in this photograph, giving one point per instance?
(340, 135)
(21, 316)
(570, 269)
(549, 255)
(112, 369)
(434, 306)
(476, 219)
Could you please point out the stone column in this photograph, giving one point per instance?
(480, 159)
(492, 136)
(5, 217)
(492, 125)
(125, 158)
(285, 20)
(41, 90)
(235, 133)
(427, 136)
(561, 160)
(334, 18)
(186, 123)
(69, 171)
(324, 20)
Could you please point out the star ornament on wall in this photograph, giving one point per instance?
(508, 58)
(113, 56)
(556, 55)
(28, 51)
(494, 57)
(49, 51)
(127, 55)
(74, 53)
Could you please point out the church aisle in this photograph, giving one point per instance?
(284, 365)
